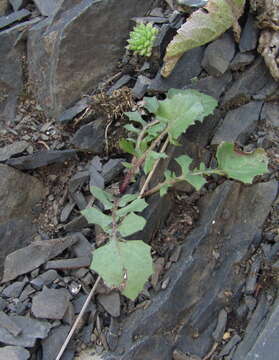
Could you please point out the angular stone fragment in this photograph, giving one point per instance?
(14, 290)
(270, 114)
(29, 258)
(68, 264)
(141, 86)
(52, 345)
(119, 83)
(14, 353)
(48, 8)
(44, 279)
(73, 111)
(13, 149)
(241, 60)
(13, 17)
(50, 303)
(58, 71)
(249, 35)
(91, 137)
(111, 303)
(7, 323)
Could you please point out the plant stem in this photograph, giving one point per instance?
(142, 133)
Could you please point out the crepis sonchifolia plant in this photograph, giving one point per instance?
(126, 265)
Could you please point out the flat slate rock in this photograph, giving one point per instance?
(31, 257)
(49, 7)
(111, 303)
(14, 353)
(69, 114)
(13, 17)
(270, 114)
(230, 221)
(50, 303)
(90, 137)
(13, 149)
(249, 35)
(52, 345)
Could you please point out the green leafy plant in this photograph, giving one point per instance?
(127, 265)
(142, 39)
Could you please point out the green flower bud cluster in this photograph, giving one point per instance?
(142, 38)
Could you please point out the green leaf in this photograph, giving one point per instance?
(127, 165)
(136, 206)
(135, 116)
(124, 265)
(151, 157)
(103, 196)
(127, 146)
(195, 180)
(164, 189)
(155, 130)
(131, 224)
(132, 128)
(204, 25)
(125, 199)
(240, 165)
(95, 216)
(183, 109)
(151, 104)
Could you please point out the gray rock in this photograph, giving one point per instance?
(229, 346)
(124, 79)
(111, 303)
(79, 301)
(13, 149)
(8, 324)
(251, 281)
(29, 258)
(90, 137)
(66, 211)
(141, 86)
(14, 290)
(186, 69)
(3, 304)
(250, 83)
(249, 35)
(221, 325)
(31, 331)
(218, 55)
(58, 72)
(76, 224)
(16, 4)
(79, 200)
(14, 353)
(111, 169)
(42, 158)
(13, 17)
(44, 279)
(68, 264)
(48, 8)
(238, 124)
(96, 177)
(241, 60)
(3, 7)
(50, 303)
(78, 180)
(68, 115)
(230, 217)
(270, 114)
(27, 292)
(82, 247)
(52, 345)
(164, 36)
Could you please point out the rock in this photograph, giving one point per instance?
(141, 86)
(3, 7)
(8, 324)
(270, 114)
(124, 79)
(239, 124)
(241, 60)
(111, 303)
(230, 345)
(78, 180)
(13, 17)
(249, 35)
(111, 169)
(3, 304)
(79, 200)
(221, 326)
(76, 224)
(52, 345)
(13, 149)
(91, 137)
(79, 301)
(178, 355)
(48, 8)
(69, 264)
(58, 72)
(42, 158)
(14, 353)
(96, 177)
(69, 114)
(193, 3)
(251, 281)
(164, 36)
(218, 55)
(31, 331)
(229, 219)
(66, 211)
(50, 303)
(16, 4)
(250, 83)
(14, 290)
(82, 247)
(113, 333)
(29, 258)
(28, 290)
(186, 69)
(44, 279)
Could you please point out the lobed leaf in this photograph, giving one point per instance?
(95, 216)
(137, 205)
(104, 197)
(135, 116)
(240, 165)
(151, 157)
(195, 180)
(203, 26)
(124, 265)
(131, 224)
(127, 146)
(151, 104)
(125, 199)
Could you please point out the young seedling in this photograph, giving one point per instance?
(142, 39)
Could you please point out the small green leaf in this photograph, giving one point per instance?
(127, 146)
(151, 157)
(131, 224)
(195, 180)
(240, 165)
(132, 128)
(164, 189)
(151, 104)
(95, 216)
(127, 165)
(155, 130)
(103, 196)
(136, 206)
(124, 265)
(135, 116)
(125, 199)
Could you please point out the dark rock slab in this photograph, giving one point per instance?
(13, 17)
(44, 279)
(230, 345)
(141, 86)
(16, 4)
(14, 290)
(48, 8)
(186, 69)
(50, 303)
(68, 264)
(218, 55)
(111, 303)
(229, 222)
(14, 353)
(249, 35)
(239, 123)
(58, 71)
(90, 137)
(270, 114)
(82, 247)
(77, 224)
(32, 330)
(29, 258)
(241, 60)
(42, 158)
(124, 79)
(78, 180)
(52, 345)
(68, 115)
(8, 324)
(13, 149)
(111, 169)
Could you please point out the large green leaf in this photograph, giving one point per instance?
(103, 196)
(124, 265)
(125, 199)
(136, 206)
(151, 104)
(195, 180)
(203, 26)
(240, 165)
(131, 224)
(95, 216)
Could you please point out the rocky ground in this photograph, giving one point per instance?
(65, 81)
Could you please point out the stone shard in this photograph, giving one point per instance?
(13, 17)
(249, 35)
(230, 220)
(66, 62)
(29, 258)
(14, 353)
(52, 345)
(49, 7)
(12, 149)
(270, 114)
(90, 137)
(111, 303)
